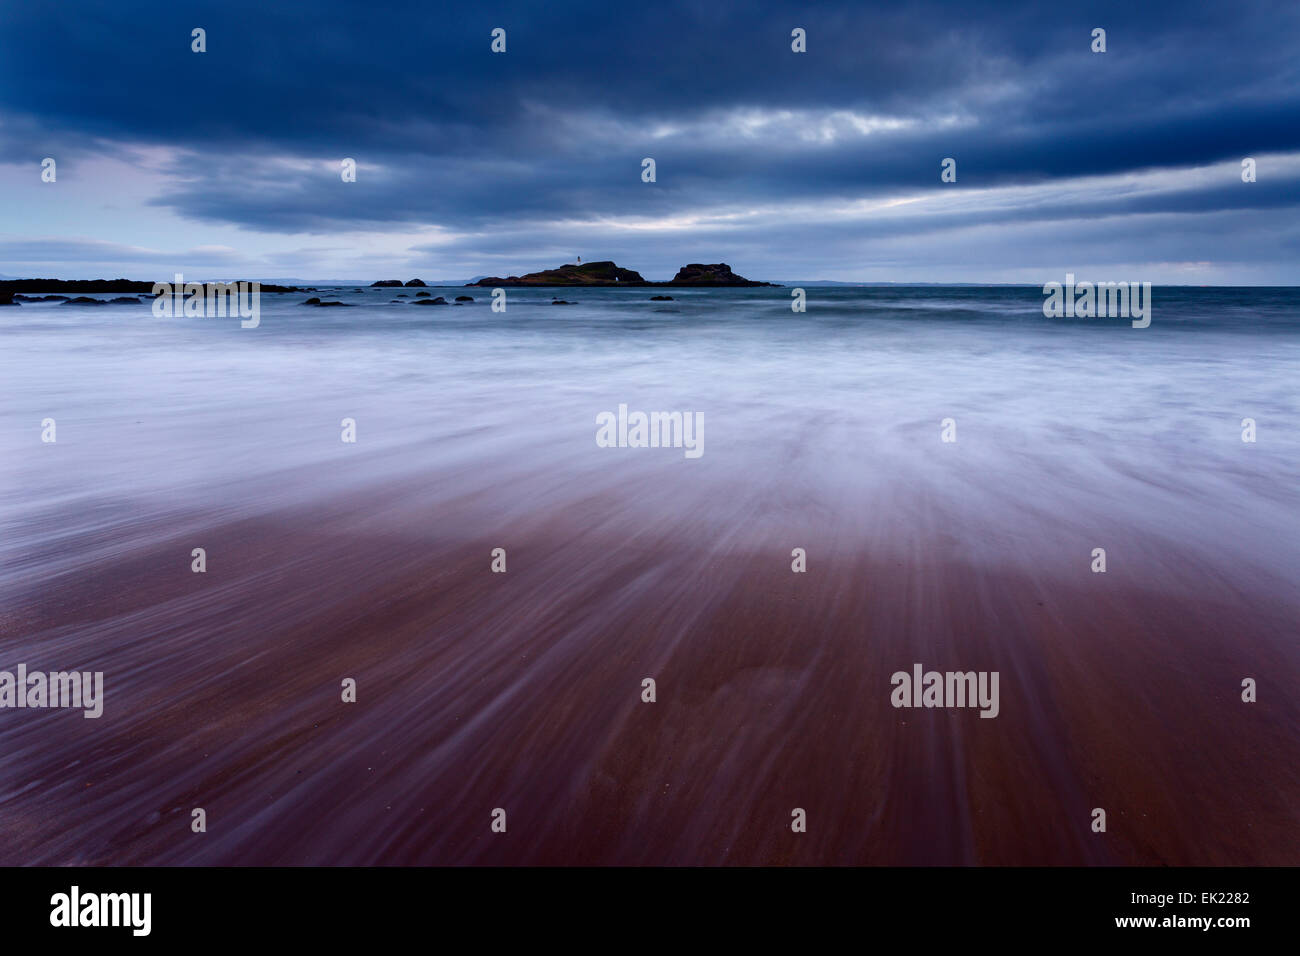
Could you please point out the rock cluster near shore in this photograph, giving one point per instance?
(606, 273)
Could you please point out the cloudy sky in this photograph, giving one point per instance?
(788, 166)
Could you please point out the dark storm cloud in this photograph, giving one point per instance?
(448, 134)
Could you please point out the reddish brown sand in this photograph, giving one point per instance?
(523, 691)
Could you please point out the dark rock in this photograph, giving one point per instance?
(661, 298)
(718, 274)
(85, 300)
(422, 295)
(590, 273)
(562, 302)
(419, 283)
(105, 286)
(386, 284)
(607, 273)
(75, 285)
(464, 298)
(314, 300)
(438, 301)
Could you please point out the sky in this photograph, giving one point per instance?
(825, 164)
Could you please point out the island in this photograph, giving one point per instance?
(607, 273)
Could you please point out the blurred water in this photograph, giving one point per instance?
(1064, 419)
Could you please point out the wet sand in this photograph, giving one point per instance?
(523, 691)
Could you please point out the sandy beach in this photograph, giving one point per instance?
(522, 690)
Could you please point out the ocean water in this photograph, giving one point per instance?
(1084, 424)
(822, 431)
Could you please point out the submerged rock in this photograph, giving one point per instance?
(438, 301)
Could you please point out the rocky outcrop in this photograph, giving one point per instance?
(590, 273)
(74, 285)
(387, 284)
(416, 282)
(438, 301)
(718, 274)
(608, 274)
